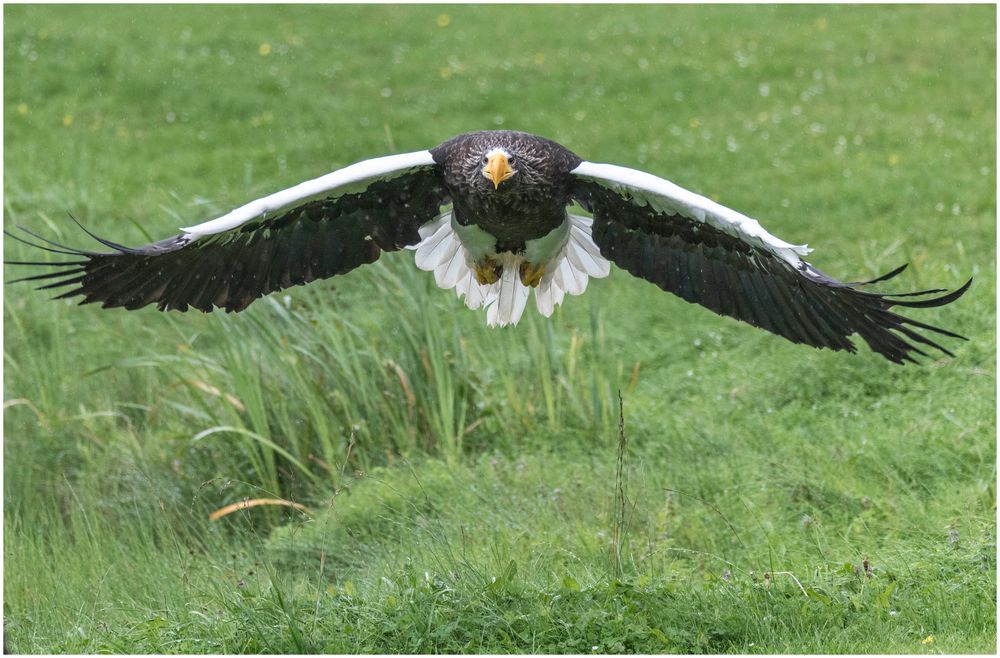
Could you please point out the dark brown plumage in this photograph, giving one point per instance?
(530, 206)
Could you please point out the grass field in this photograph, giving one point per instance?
(460, 482)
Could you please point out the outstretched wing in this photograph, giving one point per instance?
(314, 230)
(716, 257)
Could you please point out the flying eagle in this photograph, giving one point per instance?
(491, 214)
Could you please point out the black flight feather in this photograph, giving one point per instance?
(317, 239)
(694, 260)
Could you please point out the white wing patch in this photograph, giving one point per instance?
(353, 178)
(567, 272)
(664, 196)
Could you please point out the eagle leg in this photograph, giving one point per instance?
(531, 274)
(487, 271)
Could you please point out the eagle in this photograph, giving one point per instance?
(496, 215)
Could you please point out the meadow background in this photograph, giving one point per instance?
(460, 482)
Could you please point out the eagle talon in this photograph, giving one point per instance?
(531, 275)
(488, 271)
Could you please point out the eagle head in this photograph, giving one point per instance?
(497, 166)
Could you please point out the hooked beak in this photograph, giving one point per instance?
(497, 169)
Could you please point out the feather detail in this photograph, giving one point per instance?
(584, 251)
(434, 238)
(511, 296)
(569, 271)
(642, 189)
(547, 297)
(441, 251)
(354, 178)
(477, 294)
(448, 275)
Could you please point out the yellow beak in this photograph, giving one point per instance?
(497, 169)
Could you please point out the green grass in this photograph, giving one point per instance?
(461, 481)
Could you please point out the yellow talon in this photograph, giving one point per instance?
(531, 275)
(487, 272)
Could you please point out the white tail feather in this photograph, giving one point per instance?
(566, 273)
(448, 275)
(432, 235)
(478, 295)
(512, 295)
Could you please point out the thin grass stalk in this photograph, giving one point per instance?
(618, 508)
